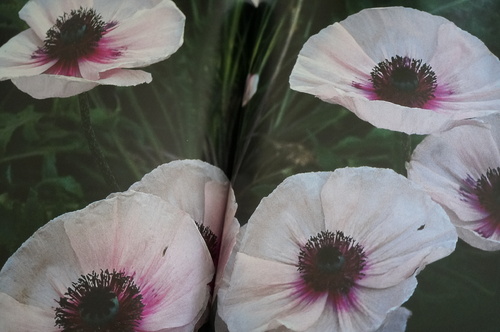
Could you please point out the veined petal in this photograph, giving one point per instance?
(450, 75)
(258, 287)
(151, 242)
(409, 231)
(460, 169)
(116, 35)
(395, 321)
(16, 57)
(43, 277)
(20, 317)
(286, 219)
(50, 86)
(163, 24)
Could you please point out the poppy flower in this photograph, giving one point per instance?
(131, 262)
(333, 252)
(400, 69)
(460, 169)
(73, 46)
(204, 192)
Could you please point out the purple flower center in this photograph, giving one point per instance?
(331, 262)
(404, 81)
(484, 195)
(488, 192)
(100, 302)
(74, 35)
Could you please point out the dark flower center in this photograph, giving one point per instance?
(100, 302)
(74, 35)
(404, 81)
(211, 241)
(487, 190)
(331, 262)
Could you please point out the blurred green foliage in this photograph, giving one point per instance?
(193, 109)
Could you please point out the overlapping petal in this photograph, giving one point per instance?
(399, 227)
(204, 192)
(137, 233)
(448, 165)
(336, 65)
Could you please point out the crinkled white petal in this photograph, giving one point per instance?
(260, 297)
(442, 162)
(143, 33)
(50, 86)
(344, 54)
(19, 317)
(286, 219)
(40, 272)
(203, 191)
(137, 233)
(381, 210)
(400, 228)
(395, 321)
(146, 32)
(16, 56)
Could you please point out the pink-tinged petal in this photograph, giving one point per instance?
(16, 57)
(395, 321)
(347, 64)
(20, 317)
(34, 275)
(374, 304)
(286, 219)
(124, 77)
(449, 166)
(156, 243)
(398, 30)
(473, 238)
(203, 191)
(193, 186)
(441, 163)
(464, 88)
(229, 240)
(258, 287)
(50, 86)
(375, 307)
(185, 274)
(161, 27)
(408, 233)
(469, 70)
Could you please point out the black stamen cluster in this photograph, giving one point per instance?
(100, 302)
(487, 190)
(74, 35)
(404, 81)
(331, 262)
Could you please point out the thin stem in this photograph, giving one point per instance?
(404, 152)
(95, 150)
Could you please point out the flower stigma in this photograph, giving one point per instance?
(404, 81)
(331, 262)
(100, 302)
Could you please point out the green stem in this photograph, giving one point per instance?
(95, 150)
(404, 152)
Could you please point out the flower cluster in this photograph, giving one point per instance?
(325, 251)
